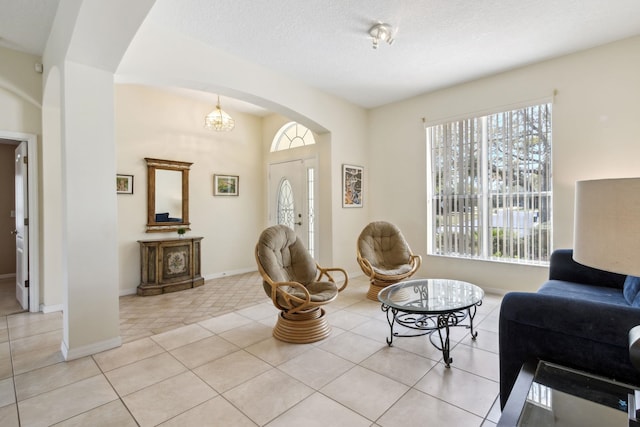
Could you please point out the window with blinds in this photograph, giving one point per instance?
(490, 186)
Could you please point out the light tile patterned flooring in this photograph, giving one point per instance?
(217, 364)
(145, 316)
(8, 302)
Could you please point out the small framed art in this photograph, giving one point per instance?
(352, 186)
(124, 184)
(225, 185)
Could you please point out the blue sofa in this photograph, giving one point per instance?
(579, 318)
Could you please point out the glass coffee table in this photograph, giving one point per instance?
(430, 307)
(550, 395)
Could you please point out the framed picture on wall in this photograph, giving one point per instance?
(124, 184)
(352, 186)
(225, 185)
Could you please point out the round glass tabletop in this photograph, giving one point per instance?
(431, 296)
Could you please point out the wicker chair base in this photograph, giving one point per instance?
(301, 328)
(374, 289)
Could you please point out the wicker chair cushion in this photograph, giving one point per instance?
(285, 259)
(384, 246)
(392, 271)
(319, 292)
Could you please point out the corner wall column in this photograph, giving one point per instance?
(89, 234)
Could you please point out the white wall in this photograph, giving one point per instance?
(596, 134)
(51, 195)
(86, 43)
(151, 122)
(89, 225)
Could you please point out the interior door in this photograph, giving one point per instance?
(289, 201)
(22, 229)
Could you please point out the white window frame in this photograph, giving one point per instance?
(465, 223)
(292, 135)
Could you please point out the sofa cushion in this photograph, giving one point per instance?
(578, 291)
(631, 290)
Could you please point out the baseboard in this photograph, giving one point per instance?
(495, 291)
(229, 273)
(130, 291)
(50, 308)
(90, 349)
(133, 291)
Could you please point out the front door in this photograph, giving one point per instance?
(22, 228)
(291, 198)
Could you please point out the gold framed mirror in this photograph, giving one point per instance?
(167, 195)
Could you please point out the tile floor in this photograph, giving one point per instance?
(225, 369)
(8, 302)
(145, 316)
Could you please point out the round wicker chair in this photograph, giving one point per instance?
(385, 256)
(296, 284)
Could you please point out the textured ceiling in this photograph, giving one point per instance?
(325, 43)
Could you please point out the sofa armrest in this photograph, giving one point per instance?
(582, 334)
(563, 267)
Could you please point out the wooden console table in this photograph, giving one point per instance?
(169, 265)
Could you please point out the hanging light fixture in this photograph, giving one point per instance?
(381, 32)
(219, 120)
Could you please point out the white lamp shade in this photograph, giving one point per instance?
(607, 225)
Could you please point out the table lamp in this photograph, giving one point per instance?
(607, 236)
(607, 225)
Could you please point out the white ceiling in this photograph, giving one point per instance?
(25, 24)
(325, 43)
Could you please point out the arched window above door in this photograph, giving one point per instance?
(292, 135)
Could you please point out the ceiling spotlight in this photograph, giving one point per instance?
(381, 32)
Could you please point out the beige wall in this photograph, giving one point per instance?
(7, 205)
(596, 134)
(159, 124)
(161, 57)
(21, 83)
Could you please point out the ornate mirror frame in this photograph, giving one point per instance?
(153, 225)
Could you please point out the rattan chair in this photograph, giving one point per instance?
(385, 256)
(296, 284)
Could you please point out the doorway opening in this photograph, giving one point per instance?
(9, 303)
(19, 216)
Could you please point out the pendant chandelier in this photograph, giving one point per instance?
(219, 120)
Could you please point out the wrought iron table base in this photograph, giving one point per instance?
(430, 323)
